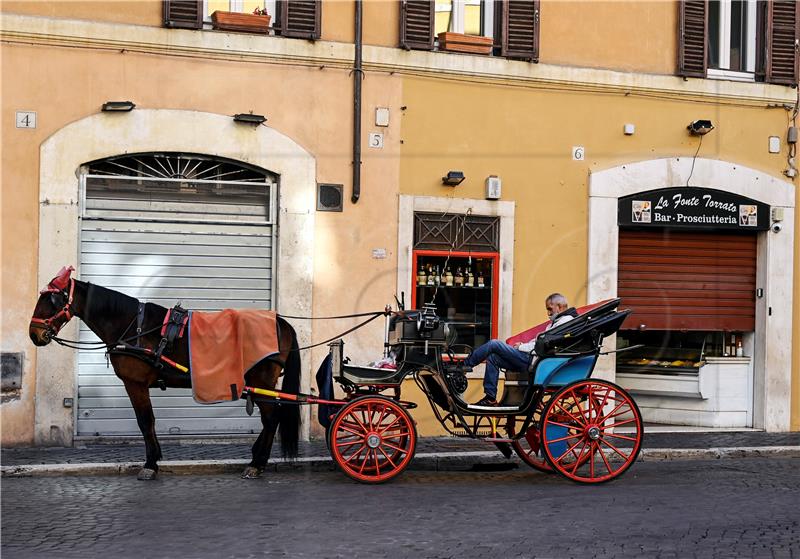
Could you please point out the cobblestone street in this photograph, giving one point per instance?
(723, 508)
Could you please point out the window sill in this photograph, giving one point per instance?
(718, 74)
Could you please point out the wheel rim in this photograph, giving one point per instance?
(591, 431)
(529, 447)
(373, 439)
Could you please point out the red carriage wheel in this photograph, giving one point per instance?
(372, 439)
(591, 431)
(529, 447)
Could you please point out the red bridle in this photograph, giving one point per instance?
(58, 285)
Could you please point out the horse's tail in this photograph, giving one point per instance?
(289, 414)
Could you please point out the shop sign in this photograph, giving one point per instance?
(692, 208)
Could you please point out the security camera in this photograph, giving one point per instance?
(777, 227)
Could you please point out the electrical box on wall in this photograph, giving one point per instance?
(493, 187)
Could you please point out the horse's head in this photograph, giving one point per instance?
(53, 309)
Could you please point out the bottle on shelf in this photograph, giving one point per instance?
(458, 280)
(437, 276)
(448, 277)
(739, 348)
(431, 279)
(732, 350)
(469, 280)
(480, 279)
(422, 277)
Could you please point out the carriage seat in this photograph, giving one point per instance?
(358, 374)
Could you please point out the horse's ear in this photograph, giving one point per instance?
(62, 278)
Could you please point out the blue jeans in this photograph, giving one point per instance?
(498, 355)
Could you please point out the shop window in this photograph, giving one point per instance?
(463, 286)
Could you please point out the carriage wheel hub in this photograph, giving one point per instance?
(593, 432)
(373, 440)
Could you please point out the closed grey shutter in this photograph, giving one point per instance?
(520, 30)
(692, 37)
(783, 33)
(416, 24)
(299, 18)
(187, 14)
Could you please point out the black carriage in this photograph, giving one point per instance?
(554, 416)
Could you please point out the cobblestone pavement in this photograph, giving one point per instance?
(134, 450)
(702, 509)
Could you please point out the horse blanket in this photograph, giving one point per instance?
(224, 346)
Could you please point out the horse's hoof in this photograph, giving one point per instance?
(251, 472)
(146, 474)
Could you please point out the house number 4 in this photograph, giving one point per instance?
(26, 119)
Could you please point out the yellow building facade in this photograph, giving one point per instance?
(552, 130)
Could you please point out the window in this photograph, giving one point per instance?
(471, 17)
(240, 6)
(732, 36)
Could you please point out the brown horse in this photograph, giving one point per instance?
(112, 316)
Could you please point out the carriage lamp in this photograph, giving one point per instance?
(250, 118)
(700, 127)
(453, 178)
(118, 106)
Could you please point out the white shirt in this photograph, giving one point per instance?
(528, 346)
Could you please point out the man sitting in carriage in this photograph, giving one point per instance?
(500, 355)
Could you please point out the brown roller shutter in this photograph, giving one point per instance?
(520, 31)
(692, 37)
(186, 14)
(783, 32)
(299, 18)
(416, 24)
(687, 280)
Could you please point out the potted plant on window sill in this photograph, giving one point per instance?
(460, 42)
(257, 22)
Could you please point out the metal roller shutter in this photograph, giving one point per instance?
(145, 240)
(687, 280)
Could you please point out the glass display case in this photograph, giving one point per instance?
(673, 352)
(463, 286)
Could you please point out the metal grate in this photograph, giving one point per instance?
(433, 231)
(169, 165)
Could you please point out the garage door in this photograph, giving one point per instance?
(189, 236)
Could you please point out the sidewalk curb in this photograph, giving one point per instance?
(431, 461)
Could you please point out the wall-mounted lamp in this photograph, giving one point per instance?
(453, 178)
(118, 106)
(700, 127)
(250, 118)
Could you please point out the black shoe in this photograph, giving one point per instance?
(486, 401)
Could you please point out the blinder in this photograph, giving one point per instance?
(60, 296)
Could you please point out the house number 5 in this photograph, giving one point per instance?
(376, 140)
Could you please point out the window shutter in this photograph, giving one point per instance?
(520, 31)
(693, 35)
(299, 18)
(688, 280)
(783, 23)
(186, 14)
(416, 24)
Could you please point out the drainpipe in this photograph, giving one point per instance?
(358, 74)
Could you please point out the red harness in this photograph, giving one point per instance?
(52, 324)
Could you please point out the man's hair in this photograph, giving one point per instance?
(556, 298)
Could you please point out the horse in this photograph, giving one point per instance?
(113, 317)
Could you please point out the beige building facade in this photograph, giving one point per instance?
(552, 128)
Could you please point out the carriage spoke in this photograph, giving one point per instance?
(578, 421)
(387, 458)
(568, 451)
(605, 460)
(396, 419)
(356, 453)
(578, 457)
(623, 437)
(619, 423)
(349, 430)
(397, 448)
(615, 449)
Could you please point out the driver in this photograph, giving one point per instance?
(500, 355)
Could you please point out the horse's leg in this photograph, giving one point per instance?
(140, 400)
(263, 445)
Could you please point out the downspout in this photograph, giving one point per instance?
(357, 77)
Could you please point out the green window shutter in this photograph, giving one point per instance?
(299, 18)
(783, 34)
(416, 24)
(519, 34)
(692, 38)
(185, 14)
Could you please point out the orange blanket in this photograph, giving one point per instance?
(223, 346)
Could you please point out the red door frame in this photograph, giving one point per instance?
(494, 256)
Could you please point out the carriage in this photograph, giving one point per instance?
(555, 417)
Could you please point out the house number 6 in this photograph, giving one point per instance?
(577, 153)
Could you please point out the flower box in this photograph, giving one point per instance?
(234, 21)
(458, 42)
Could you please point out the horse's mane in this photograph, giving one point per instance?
(111, 303)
